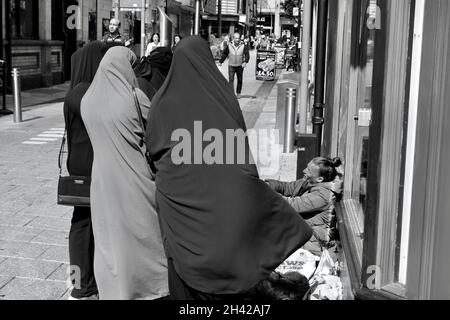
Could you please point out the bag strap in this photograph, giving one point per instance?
(141, 119)
(64, 140)
(61, 151)
(143, 139)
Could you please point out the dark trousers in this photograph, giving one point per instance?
(81, 252)
(179, 290)
(238, 71)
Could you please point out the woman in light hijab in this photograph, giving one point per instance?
(224, 229)
(130, 262)
(84, 63)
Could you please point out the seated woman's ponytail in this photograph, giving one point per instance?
(327, 167)
(336, 162)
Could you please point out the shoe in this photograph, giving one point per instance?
(238, 96)
(92, 297)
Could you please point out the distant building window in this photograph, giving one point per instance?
(25, 19)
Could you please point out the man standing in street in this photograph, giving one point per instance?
(113, 37)
(238, 54)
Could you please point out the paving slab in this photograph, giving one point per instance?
(56, 253)
(61, 273)
(52, 237)
(17, 221)
(28, 268)
(22, 249)
(33, 289)
(50, 223)
(4, 280)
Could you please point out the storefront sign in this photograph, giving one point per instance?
(265, 65)
(280, 53)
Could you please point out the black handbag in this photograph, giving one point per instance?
(73, 191)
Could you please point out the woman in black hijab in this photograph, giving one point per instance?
(85, 63)
(152, 70)
(224, 230)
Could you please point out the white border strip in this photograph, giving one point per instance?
(411, 140)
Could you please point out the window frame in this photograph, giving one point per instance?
(382, 212)
(35, 22)
(391, 95)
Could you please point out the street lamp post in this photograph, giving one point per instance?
(117, 9)
(197, 17)
(219, 18)
(142, 51)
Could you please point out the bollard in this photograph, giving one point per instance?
(17, 95)
(290, 117)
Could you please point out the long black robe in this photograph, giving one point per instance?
(151, 71)
(85, 62)
(224, 228)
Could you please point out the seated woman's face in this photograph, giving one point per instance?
(155, 38)
(312, 173)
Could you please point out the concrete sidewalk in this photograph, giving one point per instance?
(37, 97)
(33, 229)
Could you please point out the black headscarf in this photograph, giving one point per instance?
(152, 70)
(85, 62)
(224, 228)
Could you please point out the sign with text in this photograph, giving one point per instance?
(280, 53)
(265, 65)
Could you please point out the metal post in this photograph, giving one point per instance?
(197, 17)
(8, 48)
(117, 9)
(319, 90)
(306, 43)
(3, 110)
(289, 129)
(165, 29)
(17, 95)
(219, 18)
(142, 51)
(277, 30)
(3, 65)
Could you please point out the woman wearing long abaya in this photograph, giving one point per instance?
(84, 62)
(224, 230)
(151, 71)
(130, 262)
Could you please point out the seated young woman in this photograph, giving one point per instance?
(314, 197)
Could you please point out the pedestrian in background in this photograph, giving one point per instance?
(177, 38)
(155, 42)
(113, 37)
(238, 56)
(130, 262)
(84, 63)
(224, 229)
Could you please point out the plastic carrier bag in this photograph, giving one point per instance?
(301, 261)
(326, 284)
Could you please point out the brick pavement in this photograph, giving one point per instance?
(33, 229)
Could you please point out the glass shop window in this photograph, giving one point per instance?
(24, 19)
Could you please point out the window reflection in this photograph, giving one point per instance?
(365, 105)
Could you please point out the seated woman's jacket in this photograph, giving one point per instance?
(315, 203)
